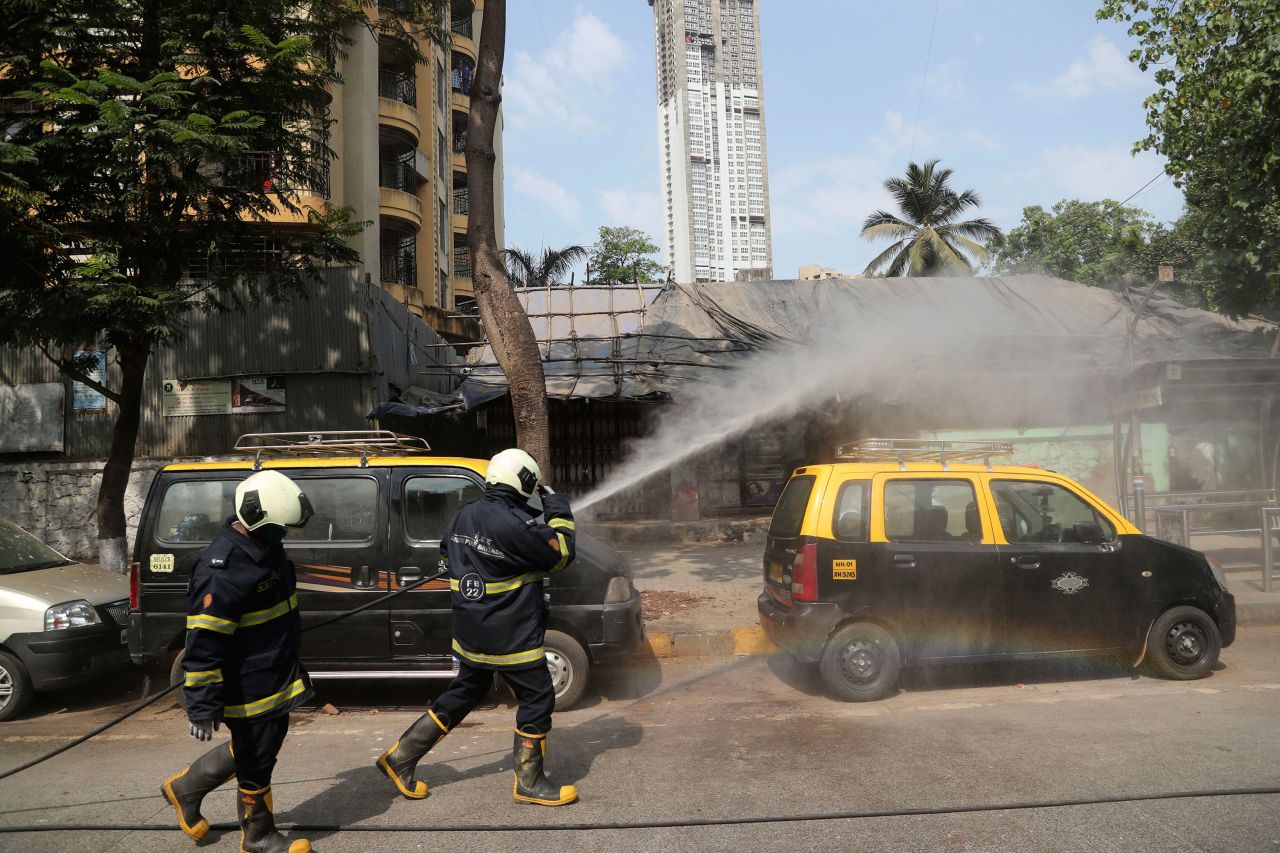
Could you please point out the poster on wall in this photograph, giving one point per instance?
(32, 417)
(202, 397)
(83, 398)
(251, 395)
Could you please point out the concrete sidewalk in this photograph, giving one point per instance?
(700, 599)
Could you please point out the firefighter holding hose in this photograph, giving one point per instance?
(241, 663)
(498, 551)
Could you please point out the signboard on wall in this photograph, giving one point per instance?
(202, 397)
(32, 417)
(85, 399)
(253, 394)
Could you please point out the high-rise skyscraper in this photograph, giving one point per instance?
(711, 135)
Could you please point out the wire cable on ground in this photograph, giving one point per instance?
(1021, 805)
(151, 700)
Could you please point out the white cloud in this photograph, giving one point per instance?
(636, 208)
(1098, 173)
(1104, 68)
(551, 197)
(558, 84)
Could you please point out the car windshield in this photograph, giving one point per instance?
(22, 552)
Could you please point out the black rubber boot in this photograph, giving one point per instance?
(399, 761)
(188, 789)
(531, 786)
(258, 826)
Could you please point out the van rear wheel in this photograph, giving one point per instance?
(861, 663)
(1184, 644)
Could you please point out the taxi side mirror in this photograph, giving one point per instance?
(1089, 532)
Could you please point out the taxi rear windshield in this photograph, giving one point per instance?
(789, 514)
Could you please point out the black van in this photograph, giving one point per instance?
(890, 560)
(377, 527)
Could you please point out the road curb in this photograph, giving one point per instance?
(751, 639)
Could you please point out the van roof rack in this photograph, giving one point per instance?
(329, 443)
(904, 450)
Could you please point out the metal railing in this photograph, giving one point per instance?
(397, 86)
(399, 268)
(462, 262)
(397, 175)
(461, 202)
(461, 26)
(274, 173)
(459, 139)
(1159, 500)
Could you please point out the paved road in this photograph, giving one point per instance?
(732, 739)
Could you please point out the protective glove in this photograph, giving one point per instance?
(203, 729)
(544, 489)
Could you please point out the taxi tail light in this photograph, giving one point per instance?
(804, 574)
(133, 586)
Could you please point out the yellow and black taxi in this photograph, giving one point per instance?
(381, 503)
(906, 554)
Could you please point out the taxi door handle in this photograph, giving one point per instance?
(907, 561)
(1028, 562)
(406, 575)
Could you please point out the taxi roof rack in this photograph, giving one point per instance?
(904, 450)
(329, 443)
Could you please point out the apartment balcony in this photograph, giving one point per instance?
(400, 205)
(307, 182)
(400, 269)
(462, 72)
(462, 268)
(397, 99)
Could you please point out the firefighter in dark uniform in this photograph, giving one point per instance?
(242, 660)
(498, 552)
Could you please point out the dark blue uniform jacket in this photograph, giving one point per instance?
(498, 551)
(243, 632)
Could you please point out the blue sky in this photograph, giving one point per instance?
(1028, 101)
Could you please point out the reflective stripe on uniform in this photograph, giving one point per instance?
(506, 585)
(502, 660)
(211, 623)
(257, 617)
(204, 676)
(564, 553)
(566, 523)
(268, 703)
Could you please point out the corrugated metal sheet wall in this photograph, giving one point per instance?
(344, 348)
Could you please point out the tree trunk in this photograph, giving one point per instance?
(113, 547)
(504, 319)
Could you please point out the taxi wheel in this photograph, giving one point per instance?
(1184, 644)
(15, 687)
(861, 662)
(570, 668)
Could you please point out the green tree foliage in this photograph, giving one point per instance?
(1216, 117)
(1092, 242)
(548, 269)
(145, 146)
(624, 255)
(927, 239)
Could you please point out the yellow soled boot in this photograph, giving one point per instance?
(258, 832)
(531, 786)
(399, 761)
(186, 791)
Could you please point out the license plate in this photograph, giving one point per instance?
(775, 572)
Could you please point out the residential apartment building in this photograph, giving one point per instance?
(711, 134)
(813, 272)
(399, 136)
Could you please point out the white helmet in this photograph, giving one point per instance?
(269, 497)
(515, 468)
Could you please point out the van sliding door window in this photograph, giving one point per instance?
(931, 511)
(430, 503)
(346, 509)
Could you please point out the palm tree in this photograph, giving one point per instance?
(928, 240)
(548, 270)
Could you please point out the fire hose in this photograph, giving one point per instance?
(151, 700)
(1021, 805)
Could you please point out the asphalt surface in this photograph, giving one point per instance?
(749, 737)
